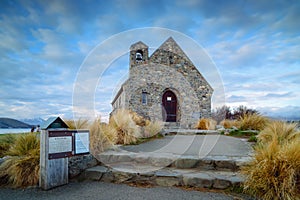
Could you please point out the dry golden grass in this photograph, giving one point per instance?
(21, 169)
(252, 122)
(5, 142)
(274, 172)
(206, 124)
(102, 137)
(77, 124)
(279, 131)
(139, 120)
(226, 123)
(152, 129)
(122, 122)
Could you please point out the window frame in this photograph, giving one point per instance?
(144, 98)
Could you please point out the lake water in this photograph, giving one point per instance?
(14, 130)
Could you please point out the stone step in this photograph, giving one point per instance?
(171, 125)
(163, 160)
(164, 177)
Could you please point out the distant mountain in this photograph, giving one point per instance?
(287, 113)
(12, 123)
(34, 121)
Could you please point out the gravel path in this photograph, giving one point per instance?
(100, 190)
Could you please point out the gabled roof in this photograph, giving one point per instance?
(117, 95)
(171, 45)
(138, 45)
(54, 122)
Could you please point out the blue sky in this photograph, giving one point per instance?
(254, 45)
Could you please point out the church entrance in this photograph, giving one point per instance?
(169, 102)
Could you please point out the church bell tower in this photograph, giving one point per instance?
(138, 54)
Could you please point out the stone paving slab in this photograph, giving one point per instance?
(195, 145)
(165, 177)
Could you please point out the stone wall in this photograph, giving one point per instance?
(78, 164)
(155, 79)
(183, 65)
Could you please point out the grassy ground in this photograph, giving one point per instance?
(6, 140)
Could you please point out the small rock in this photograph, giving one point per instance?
(220, 127)
(167, 181)
(182, 163)
(198, 180)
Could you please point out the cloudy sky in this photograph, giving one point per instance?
(255, 46)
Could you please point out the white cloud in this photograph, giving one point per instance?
(255, 46)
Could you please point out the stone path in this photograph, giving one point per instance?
(204, 161)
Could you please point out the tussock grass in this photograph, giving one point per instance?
(280, 132)
(102, 136)
(227, 123)
(125, 127)
(274, 172)
(252, 122)
(5, 143)
(21, 168)
(77, 124)
(152, 129)
(139, 120)
(206, 124)
(122, 122)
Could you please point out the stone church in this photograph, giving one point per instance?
(164, 86)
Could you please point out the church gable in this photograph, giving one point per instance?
(170, 54)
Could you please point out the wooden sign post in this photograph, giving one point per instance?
(57, 143)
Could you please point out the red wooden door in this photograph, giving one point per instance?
(169, 102)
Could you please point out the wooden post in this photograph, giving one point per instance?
(53, 172)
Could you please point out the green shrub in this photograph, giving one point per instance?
(21, 168)
(274, 171)
(252, 138)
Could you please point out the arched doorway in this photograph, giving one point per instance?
(169, 102)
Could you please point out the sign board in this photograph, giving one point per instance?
(82, 142)
(67, 143)
(60, 144)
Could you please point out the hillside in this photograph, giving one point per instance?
(33, 121)
(12, 123)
